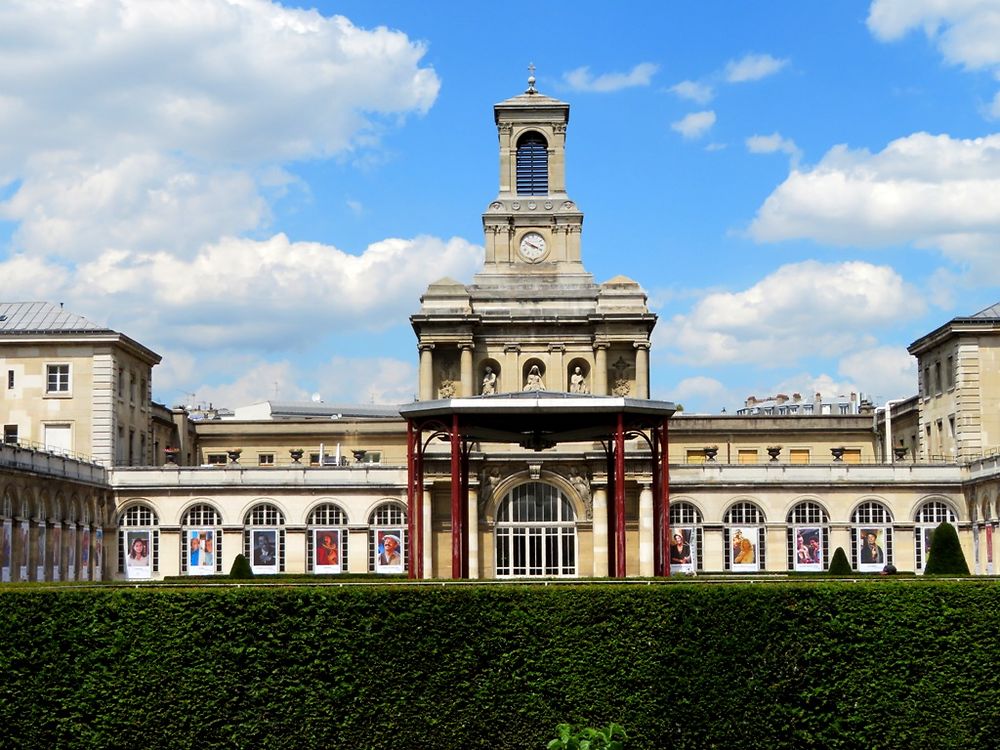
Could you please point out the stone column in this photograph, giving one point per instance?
(600, 370)
(642, 369)
(428, 550)
(171, 549)
(713, 543)
(468, 381)
(426, 372)
(473, 532)
(357, 549)
(555, 373)
(777, 542)
(646, 531)
(295, 549)
(600, 532)
(511, 375)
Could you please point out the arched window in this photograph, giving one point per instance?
(744, 538)
(264, 538)
(808, 537)
(871, 542)
(532, 165)
(685, 519)
(535, 533)
(326, 541)
(138, 542)
(388, 547)
(928, 517)
(201, 540)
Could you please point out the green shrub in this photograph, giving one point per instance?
(588, 738)
(840, 565)
(241, 568)
(946, 556)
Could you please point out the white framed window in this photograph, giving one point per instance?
(203, 523)
(388, 519)
(265, 459)
(684, 517)
(871, 537)
(138, 542)
(744, 538)
(57, 378)
(928, 517)
(264, 538)
(808, 537)
(323, 517)
(536, 533)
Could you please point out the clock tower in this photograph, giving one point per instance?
(533, 319)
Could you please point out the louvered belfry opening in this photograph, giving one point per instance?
(532, 165)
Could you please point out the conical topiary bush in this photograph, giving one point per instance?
(241, 568)
(946, 556)
(840, 565)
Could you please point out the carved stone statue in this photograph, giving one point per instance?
(582, 485)
(577, 381)
(448, 388)
(489, 382)
(534, 381)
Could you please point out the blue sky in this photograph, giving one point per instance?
(260, 192)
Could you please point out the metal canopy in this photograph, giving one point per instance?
(540, 419)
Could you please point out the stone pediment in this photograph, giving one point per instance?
(446, 295)
(621, 294)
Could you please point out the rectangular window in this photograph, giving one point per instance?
(938, 382)
(372, 457)
(314, 459)
(696, 456)
(852, 455)
(121, 382)
(57, 379)
(142, 393)
(927, 381)
(265, 459)
(951, 435)
(10, 380)
(10, 434)
(746, 456)
(216, 459)
(131, 387)
(798, 456)
(950, 372)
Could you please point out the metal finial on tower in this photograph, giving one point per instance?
(531, 79)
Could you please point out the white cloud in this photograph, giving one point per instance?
(259, 293)
(800, 310)
(931, 191)
(769, 144)
(581, 79)
(965, 31)
(699, 389)
(753, 67)
(695, 124)
(883, 372)
(693, 91)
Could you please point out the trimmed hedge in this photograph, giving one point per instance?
(883, 663)
(946, 556)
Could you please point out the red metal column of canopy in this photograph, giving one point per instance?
(654, 462)
(665, 499)
(457, 532)
(464, 500)
(610, 459)
(620, 497)
(411, 500)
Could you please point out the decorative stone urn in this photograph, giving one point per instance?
(838, 454)
(296, 454)
(171, 455)
(359, 455)
(234, 455)
(711, 451)
(774, 451)
(899, 453)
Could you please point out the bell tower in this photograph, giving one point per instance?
(532, 227)
(533, 319)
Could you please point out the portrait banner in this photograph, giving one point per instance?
(808, 549)
(264, 550)
(25, 550)
(40, 553)
(71, 553)
(871, 549)
(389, 550)
(138, 545)
(326, 550)
(683, 555)
(744, 541)
(98, 554)
(201, 552)
(85, 554)
(5, 550)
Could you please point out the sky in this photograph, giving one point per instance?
(261, 191)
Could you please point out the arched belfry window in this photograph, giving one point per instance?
(532, 165)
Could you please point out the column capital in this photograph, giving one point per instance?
(465, 346)
(424, 347)
(557, 348)
(641, 345)
(602, 345)
(509, 348)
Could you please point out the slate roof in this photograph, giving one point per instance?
(43, 317)
(991, 312)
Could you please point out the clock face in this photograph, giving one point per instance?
(532, 246)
